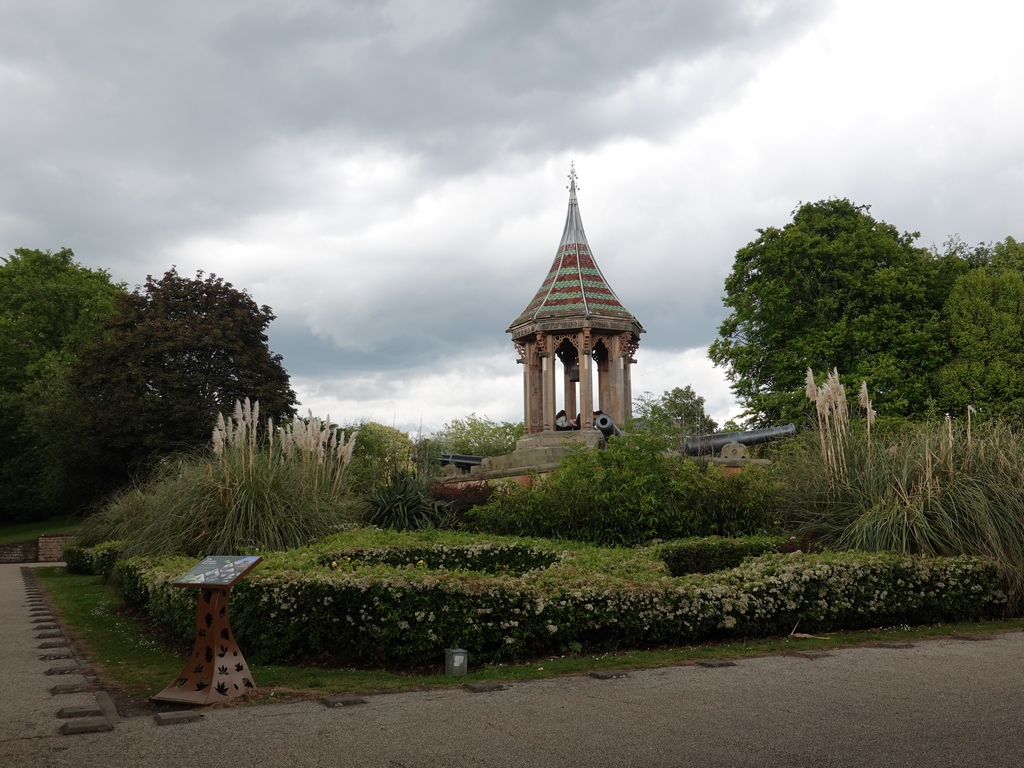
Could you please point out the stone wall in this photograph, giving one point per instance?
(50, 547)
(46, 549)
(19, 553)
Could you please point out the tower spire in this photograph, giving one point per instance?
(574, 286)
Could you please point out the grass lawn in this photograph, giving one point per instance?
(19, 532)
(129, 657)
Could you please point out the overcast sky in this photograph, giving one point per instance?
(390, 176)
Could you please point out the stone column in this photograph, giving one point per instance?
(547, 362)
(534, 414)
(627, 387)
(586, 379)
(616, 385)
(570, 391)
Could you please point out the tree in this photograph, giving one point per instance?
(178, 351)
(478, 436)
(50, 308)
(835, 289)
(985, 317)
(674, 416)
(1007, 255)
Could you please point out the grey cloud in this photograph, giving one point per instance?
(128, 123)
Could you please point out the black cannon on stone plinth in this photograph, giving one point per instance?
(461, 460)
(733, 445)
(604, 424)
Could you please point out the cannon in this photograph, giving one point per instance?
(733, 445)
(604, 424)
(461, 460)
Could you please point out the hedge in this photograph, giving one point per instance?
(92, 561)
(715, 553)
(294, 607)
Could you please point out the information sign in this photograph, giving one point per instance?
(216, 669)
(217, 571)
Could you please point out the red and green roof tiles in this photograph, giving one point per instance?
(574, 285)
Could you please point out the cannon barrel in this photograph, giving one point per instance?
(461, 460)
(705, 444)
(606, 426)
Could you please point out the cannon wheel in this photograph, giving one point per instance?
(733, 451)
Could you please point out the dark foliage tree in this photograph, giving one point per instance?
(835, 289)
(178, 351)
(50, 307)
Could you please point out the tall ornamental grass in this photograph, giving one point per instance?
(938, 489)
(268, 489)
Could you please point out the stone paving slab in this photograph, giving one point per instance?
(174, 718)
(81, 710)
(608, 674)
(65, 688)
(342, 700)
(106, 705)
(86, 725)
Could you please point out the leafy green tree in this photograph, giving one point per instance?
(676, 415)
(835, 289)
(179, 351)
(1007, 255)
(381, 454)
(985, 316)
(50, 308)
(478, 436)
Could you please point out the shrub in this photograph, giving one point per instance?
(715, 553)
(76, 559)
(293, 606)
(631, 493)
(461, 500)
(380, 452)
(284, 490)
(92, 561)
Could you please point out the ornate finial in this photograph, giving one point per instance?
(572, 175)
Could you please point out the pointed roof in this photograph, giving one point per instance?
(574, 286)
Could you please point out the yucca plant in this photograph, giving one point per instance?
(404, 504)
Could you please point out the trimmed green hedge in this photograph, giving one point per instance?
(293, 606)
(496, 558)
(92, 561)
(715, 553)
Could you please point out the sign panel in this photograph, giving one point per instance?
(218, 571)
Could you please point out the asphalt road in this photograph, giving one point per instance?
(941, 702)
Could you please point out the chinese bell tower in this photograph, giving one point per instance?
(575, 319)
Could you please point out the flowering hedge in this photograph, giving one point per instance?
(294, 606)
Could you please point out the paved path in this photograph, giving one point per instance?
(939, 703)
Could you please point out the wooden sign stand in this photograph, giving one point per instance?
(216, 669)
